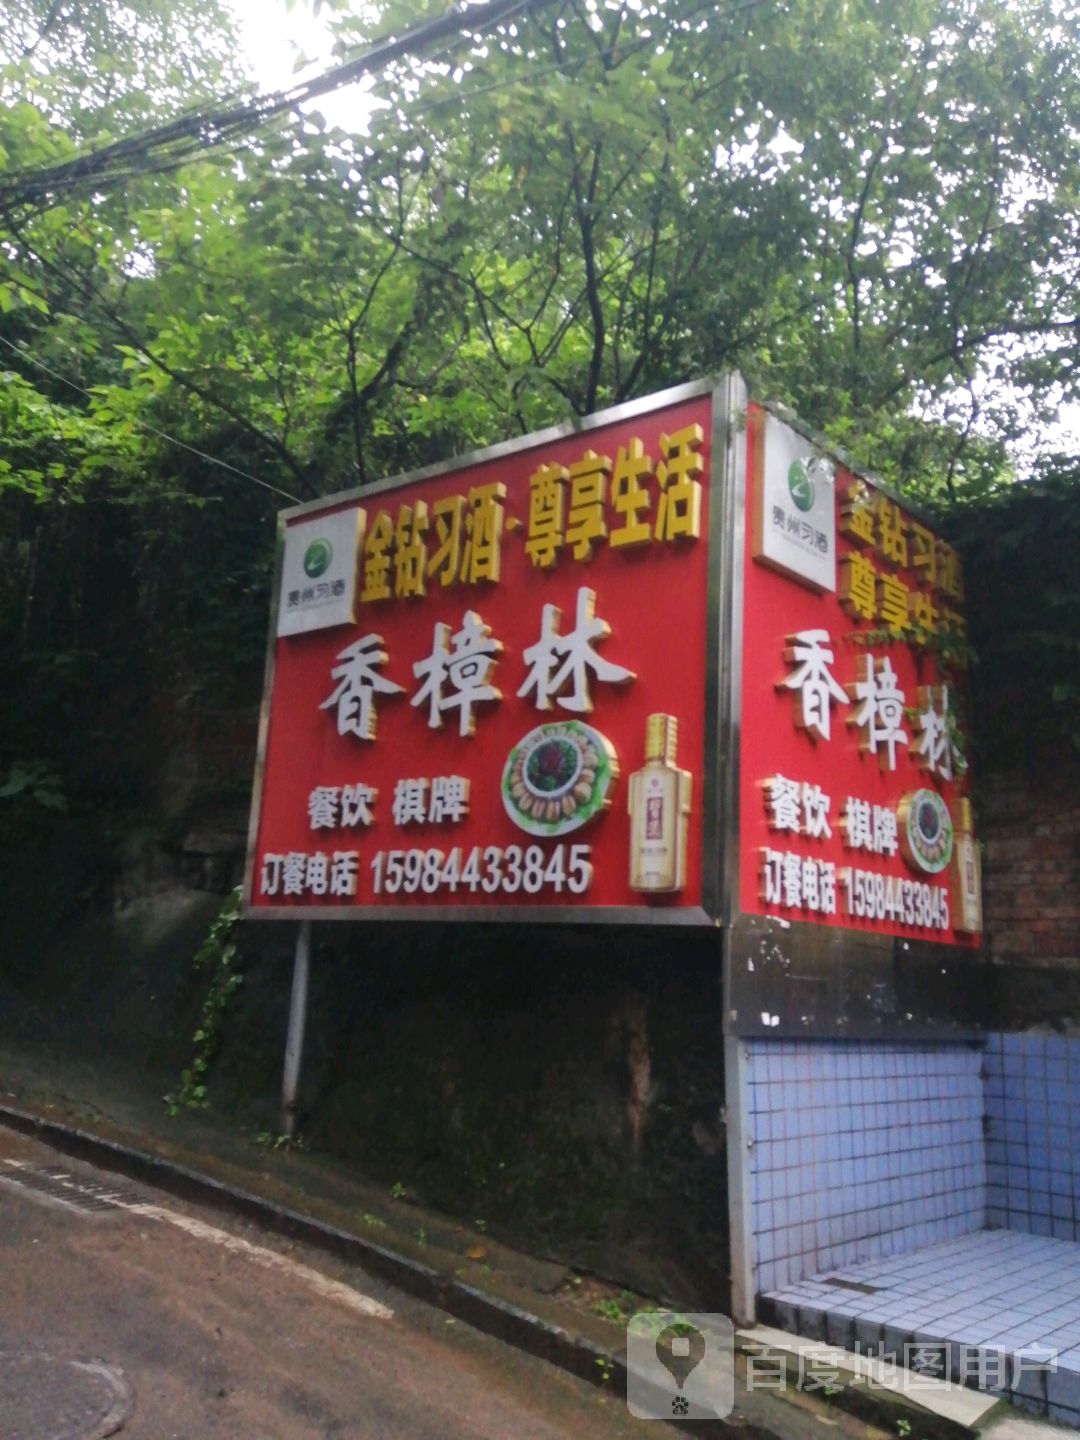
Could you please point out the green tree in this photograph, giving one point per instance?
(869, 207)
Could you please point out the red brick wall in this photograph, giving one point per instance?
(1030, 825)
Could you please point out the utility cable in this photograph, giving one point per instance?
(191, 133)
(38, 364)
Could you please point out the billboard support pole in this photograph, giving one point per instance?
(294, 1043)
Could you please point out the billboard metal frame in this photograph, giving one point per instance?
(728, 404)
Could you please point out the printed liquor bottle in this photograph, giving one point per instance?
(659, 804)
(968, 900)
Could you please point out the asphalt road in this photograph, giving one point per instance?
(217, 1330)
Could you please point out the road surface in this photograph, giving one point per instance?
(206, 1328)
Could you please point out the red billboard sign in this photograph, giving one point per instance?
(853, 773)
(613, 673)
(468, 669)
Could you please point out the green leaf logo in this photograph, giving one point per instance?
(801, 485)
(317, 558)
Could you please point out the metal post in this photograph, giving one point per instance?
(294, 1043)
(740, 1208)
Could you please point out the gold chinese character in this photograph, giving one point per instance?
(924, 554)
(588, 486)
(950, 574)
(547, 491)
(481, 557)
(410, 551)
(449, 515)
(629, 498)
(894, 603)
(857, 514)
(923, 614)
(377, 559)
(680, 490)
(858, 585)
(892, 532)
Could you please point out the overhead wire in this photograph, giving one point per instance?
(193, 132)
(569, 65)
(39, 364)
(336, 78)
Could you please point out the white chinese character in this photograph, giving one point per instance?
(818, 1371)
(810, 889)
(449, 798)
(792, 880)
(827, 888)
(556, 661)
(343, 868)
(782, 796)
(358, 684)
(356, 803)
(934, 746)
(885, 1373)
(881, 715)
(886, 841)
(409, 801)
(858, 827)
(815, 804)
(322, 807)
(270, 879)
(316, 874)
(771, 872)
(466, 663)
(293, 873)
(766, 1370)
(930, 1360)
(811, 651)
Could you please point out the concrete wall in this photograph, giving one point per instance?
(565, 1086)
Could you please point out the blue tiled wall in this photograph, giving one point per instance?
(860, 1151)
(1033, 1134)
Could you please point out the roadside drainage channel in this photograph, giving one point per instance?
(44, 1397)
(59, 1187)
(492, 1316)
(871, 1389)
(498, 1318)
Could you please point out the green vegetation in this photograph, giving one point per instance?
(618, 1308)
(588, 202)
(218, 955)
(1023, 583)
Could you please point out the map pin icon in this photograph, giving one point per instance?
(680, 1348)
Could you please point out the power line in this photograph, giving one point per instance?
(196, 131)
(497, 12)
(570, 65)
(38, 364)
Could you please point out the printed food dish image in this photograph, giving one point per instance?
(558, 777)
(926, 831)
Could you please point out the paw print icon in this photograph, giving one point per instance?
(679, 1365)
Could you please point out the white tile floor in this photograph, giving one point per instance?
(996, 1304)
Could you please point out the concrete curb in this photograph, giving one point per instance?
(497, 1318)
(487, 1313)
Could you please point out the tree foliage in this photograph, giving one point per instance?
(869, 207)
(1023, 588)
